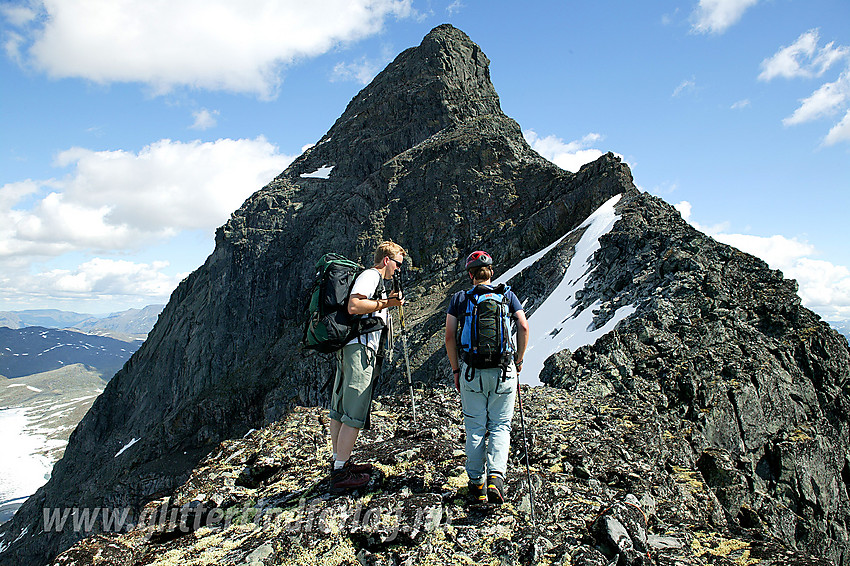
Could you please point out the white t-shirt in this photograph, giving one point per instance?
(365, 285)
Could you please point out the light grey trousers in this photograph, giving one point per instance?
(488, 408)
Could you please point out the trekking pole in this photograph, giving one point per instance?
(397, 286)
(527, 468)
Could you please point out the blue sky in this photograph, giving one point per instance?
(131, 130)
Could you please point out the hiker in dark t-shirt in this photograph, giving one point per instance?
(487, 394)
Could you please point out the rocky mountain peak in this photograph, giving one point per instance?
(441, 83)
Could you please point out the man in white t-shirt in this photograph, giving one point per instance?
(356, 363)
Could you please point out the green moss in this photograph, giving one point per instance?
(715, 545)
(690, 478)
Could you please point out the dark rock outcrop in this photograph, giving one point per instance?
(602, 491)
(759, 386)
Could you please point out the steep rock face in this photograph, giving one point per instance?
(424, 156)
(759, 385)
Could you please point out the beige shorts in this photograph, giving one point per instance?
(351, 396)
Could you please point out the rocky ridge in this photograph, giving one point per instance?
(758, 384)
(263, 499)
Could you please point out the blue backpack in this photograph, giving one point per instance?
(484, 329)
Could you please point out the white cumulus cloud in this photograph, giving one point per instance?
(804, 59)
(685, 209)
(566, 155)
(779, 252)
(839, 132)
(823, 286)
(825, 101)
(74, 240)
(100, 277)
(209, 44)
(118, 200)
(12, 193)
(18, 15)
(90, 284)
(716, 16)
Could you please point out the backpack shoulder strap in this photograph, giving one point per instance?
(469, 303)
(380, 288)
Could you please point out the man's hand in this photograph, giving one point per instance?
(394, 301)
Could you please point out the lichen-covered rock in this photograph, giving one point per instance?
(621, 531)
(628, 506)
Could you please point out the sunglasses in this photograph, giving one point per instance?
(397, 263)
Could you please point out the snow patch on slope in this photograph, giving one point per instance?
(323, 172)
(25, 468)
(556, 325)
(126, 446)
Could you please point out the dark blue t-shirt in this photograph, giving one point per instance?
(457, 306)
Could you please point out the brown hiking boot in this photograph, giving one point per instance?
(360, 468)
(354, 467)
(345, 480)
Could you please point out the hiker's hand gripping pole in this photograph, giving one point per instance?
(397, 289)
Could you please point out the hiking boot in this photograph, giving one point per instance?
(344, 480)
(477, 493)
(356, 468)
(496, 489)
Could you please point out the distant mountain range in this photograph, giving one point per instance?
(48, 318)
(125, 325)
(134, 322)
(35, 349)
(58, 363)
(843, 327)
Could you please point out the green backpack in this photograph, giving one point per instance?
(329, 326)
